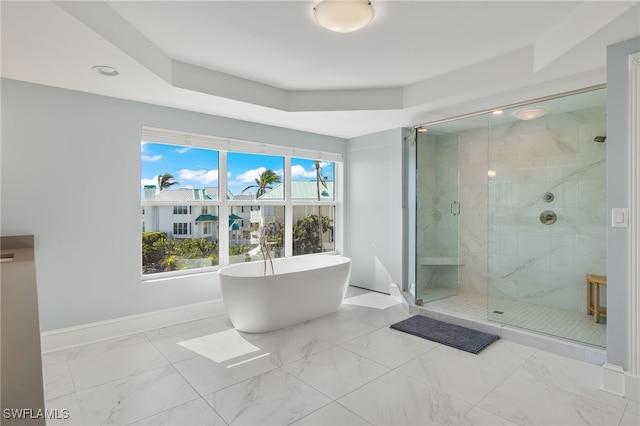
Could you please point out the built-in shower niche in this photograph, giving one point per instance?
(437, 212)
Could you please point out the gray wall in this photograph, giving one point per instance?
(70, 176)
(618, 178)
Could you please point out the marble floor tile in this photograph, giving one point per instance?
(207, 376)
(57, 380)
(273, 398)
(395, 399)
(193, 413)
(570, 375)
(373, 300)
(134, 398)
(630, 419)
(222, 345)
(503, 354)
(181, 328)
(174, 351)
(335, 329)
(379, 317)
(55, 357)
(67, 406)
(633, 407)
(389, 347)
(347, 368)
(101, 347)
(526, 401)
(289, 345)
(479, 417)
(336, 371)
(355, 291)
(332, 415)
(93, 370)
(450, 371)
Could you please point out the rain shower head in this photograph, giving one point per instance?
(599, 139)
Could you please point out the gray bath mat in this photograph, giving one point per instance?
(452, 335)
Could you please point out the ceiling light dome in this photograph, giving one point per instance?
(106, 70)
(530, 114)
(344, 16)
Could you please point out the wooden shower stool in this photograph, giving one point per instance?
(593, 304)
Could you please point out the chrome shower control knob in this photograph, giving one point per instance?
(548, 217)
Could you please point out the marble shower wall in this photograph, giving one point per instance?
(505, 250)
(474, 154)
(546, 264)
(505, 247)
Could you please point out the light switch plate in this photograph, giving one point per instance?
(620, 218)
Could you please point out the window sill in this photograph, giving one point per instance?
(163, 276)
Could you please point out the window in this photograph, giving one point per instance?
(309, 234)
(247, 231)
(269, 195)
(313, 194)
(312, 180)
(179, 209)
(180, 201)
(180, 228)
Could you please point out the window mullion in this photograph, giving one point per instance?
(288, 209)
(223, 217)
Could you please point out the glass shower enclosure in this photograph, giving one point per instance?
(432, 158)
(506, 215)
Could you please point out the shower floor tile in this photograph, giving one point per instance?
(571, 325)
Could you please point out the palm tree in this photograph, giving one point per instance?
(264, 182)
(320, 180)
(166, 181)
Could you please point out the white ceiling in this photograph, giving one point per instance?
(270, 62)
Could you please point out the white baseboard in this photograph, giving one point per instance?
(619, 382)
(103, 330)
(632, 387)
(613, 379)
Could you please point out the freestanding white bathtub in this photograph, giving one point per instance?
(302, 288)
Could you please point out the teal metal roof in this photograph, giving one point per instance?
(207, 218)
(301, 190)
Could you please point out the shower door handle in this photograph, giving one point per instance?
(455, 208)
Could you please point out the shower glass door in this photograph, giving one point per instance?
(437, 210)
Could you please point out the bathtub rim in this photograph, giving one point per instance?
(285, 274)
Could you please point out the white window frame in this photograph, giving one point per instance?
(178, 209)
(226, 145)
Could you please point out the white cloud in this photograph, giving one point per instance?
(152, 181)
(151, 158)
(145, 157)
(298, 171)
(202, 176)
(183, 150)
(249, 176)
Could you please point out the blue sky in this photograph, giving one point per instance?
(198, 168)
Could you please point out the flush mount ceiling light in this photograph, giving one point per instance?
(530, 114)
(421, 129)
(344, 16)
(106, 70)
